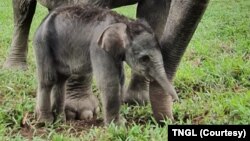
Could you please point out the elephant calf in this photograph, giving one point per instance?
(80, 40)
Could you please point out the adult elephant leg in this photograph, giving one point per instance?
(155, 12)
(80, 103)
(23, 14)
(184, 16)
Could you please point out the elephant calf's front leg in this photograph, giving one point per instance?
(111, 103)
(108, 82)
(108, 74)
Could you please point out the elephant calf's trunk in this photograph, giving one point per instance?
(162, 80)
(161, 103)
(162, 94)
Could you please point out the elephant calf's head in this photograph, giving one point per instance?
(141, 50)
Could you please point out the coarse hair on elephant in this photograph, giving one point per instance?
(173, 21)
(81, 40)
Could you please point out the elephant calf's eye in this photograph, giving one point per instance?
(144, 59)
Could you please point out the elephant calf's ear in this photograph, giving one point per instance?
(114, 38)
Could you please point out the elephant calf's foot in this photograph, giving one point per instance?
(83, 108)
(44, 117)
(11, 64)
(133, 97)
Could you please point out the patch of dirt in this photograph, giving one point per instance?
(76, 128)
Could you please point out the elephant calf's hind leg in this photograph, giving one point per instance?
(80, 103)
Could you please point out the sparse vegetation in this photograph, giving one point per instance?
(213, 82)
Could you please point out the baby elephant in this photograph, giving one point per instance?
(81, 40)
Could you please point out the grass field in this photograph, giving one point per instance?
(213, 82)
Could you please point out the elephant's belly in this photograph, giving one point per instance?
(73, 67)
(51, 4)
(72, 60)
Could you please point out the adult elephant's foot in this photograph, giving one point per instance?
(137, 91)
(19, 64)
(17, 58)
(23, 11)
(81, 108)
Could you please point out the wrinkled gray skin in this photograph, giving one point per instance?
(76, 41)
(174, 23)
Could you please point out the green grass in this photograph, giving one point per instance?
(213, 81)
